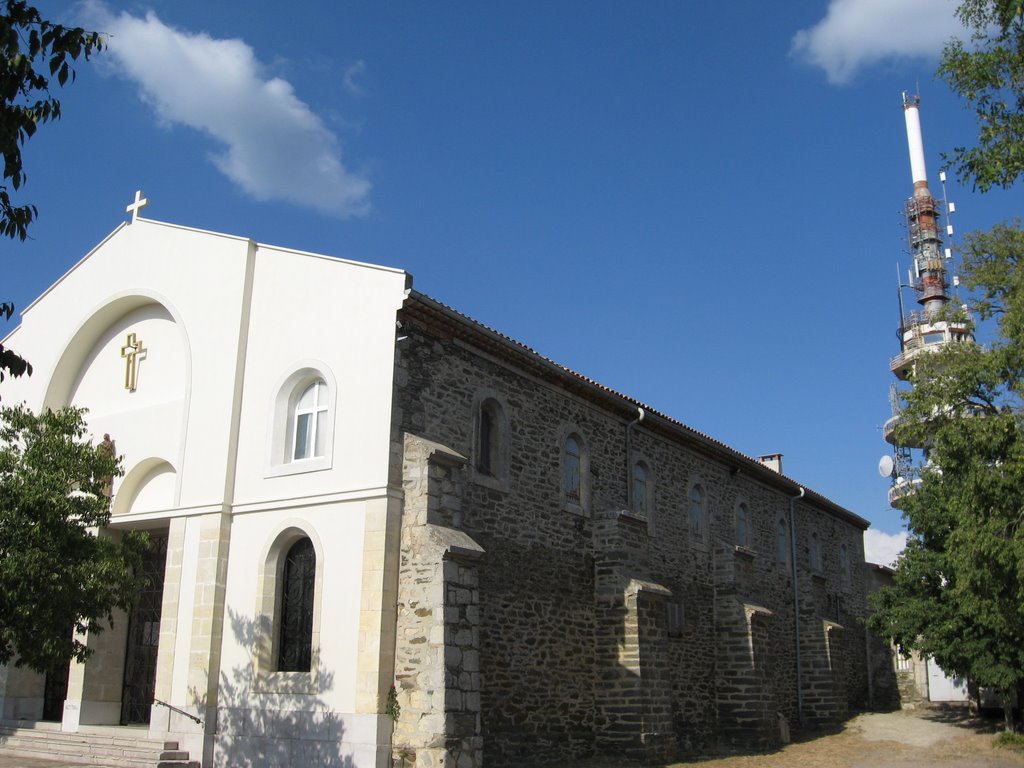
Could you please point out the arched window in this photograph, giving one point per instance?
(697, 521)
(844, 564)
(815, 552)
(640, 501)
(490, 448)
(782, 541)
(295, 608)
(743, 538)
(571, 462)
(302, 420)
(309, 427)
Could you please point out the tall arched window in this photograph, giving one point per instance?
(815, 552)
(490, 449)
(743, 538)
(571, 461)
(309, 435)
(697, 521)
(782, 541)
(640, 502)
(295, 608)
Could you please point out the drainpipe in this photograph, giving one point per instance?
(796, 605)
(629, 455)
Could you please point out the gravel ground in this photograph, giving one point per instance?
(891, 740)
(875, 740)
(919, 739)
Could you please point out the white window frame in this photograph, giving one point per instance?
(319, 387)
(280, 457)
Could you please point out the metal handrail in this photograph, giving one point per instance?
(173, 708)
(908, 354)
(921, 317)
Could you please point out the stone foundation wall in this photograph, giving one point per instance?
(575, 650)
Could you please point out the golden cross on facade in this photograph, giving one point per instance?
(130, 352)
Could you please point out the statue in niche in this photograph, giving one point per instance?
(107, 448)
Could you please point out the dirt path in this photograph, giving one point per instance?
(873, 740)
(882, 740)
(891, 740)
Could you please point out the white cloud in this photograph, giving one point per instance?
(883, 548)
(273, 146)
(858, 33)
(352, 77)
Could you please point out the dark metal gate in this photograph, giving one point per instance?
(55, 690)
(144, 636)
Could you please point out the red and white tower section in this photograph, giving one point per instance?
(932, 326)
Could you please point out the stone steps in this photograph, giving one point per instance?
(115, 747)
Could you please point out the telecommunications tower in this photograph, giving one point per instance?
(929, 328)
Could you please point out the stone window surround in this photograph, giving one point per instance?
(266, 678)
(567, 431)
(845, 572)
(641, 460)
(815, 558)
(701, 542)
(498, 479)
(744, 542)
(282, 420)
(782, 535)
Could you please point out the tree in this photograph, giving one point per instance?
(34, 51)
(958, 595)
(959, 585)
(988, 73)
(57, 574)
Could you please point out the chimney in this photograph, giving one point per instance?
(773, 461)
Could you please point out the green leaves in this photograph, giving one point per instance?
(988, 74)
(32, 52)
(60, 570)
(959, 586)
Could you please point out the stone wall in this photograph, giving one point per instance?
(437, 662)
(889, 685)
(576, 655)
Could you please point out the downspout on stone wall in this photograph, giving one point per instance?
(796, 605)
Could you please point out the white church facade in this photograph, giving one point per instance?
(350, 487)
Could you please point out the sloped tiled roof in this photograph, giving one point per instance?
(463, 326)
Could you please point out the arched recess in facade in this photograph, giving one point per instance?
(148, 421)
(149, 486)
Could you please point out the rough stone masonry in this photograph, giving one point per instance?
(539, 621)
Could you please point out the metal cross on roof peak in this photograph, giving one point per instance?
(138, 205)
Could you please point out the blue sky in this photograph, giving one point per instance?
(698, 204)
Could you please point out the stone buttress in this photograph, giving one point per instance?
(437, 659)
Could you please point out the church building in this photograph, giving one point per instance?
(386, 534)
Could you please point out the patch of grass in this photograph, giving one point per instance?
(1012, 741)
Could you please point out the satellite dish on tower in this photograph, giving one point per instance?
(886, 465)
